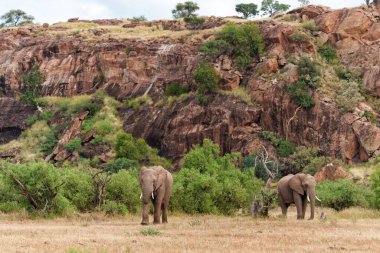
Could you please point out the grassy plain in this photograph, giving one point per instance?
(355, 230)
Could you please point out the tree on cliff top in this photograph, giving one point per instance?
(185, 10)
(16, 18)
(272, 6)
(247, 10)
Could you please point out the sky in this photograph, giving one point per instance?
(52, 11)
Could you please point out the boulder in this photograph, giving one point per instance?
(331, 172)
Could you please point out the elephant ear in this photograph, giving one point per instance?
(160, 178)
(295, 184)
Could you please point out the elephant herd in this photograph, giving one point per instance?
(157, 183)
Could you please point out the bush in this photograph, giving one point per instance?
(73, 145)
(348, 95)
(78, 188)
(124, 189)
(120, 164)
(284, 147)
(50, 141)
(300, 95)
(87, 105)
(301, 158)
(328, 53)
(138, 19)
(370, 116)
(114, 208)
(299, 37)
(341, 194)
(32, 82)
(139, 102)
(175, 89)
(195, 22)
(317, 163)
(245, 40)
(210, 183)
(206, 78)
(375, 187)
(130, 148)
(310, 26)
(43, 185)
(214, 48)
(308, 71)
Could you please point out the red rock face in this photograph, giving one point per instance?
(126, 68)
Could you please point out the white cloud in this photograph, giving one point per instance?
(60, 10)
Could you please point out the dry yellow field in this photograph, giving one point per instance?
(190, 234)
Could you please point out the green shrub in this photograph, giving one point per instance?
(245, 41)
(43, 184)
(375, 187)
(50, 141)
(139, 102)
(195, 22)
(32, 82)
(138, 19)
(150, 231)
(78, 188)
(73, 145)
(215, 48)
(103, 127)
(299, 37)
(203, 99)
(370, 116)
(341, 194)
(31, 119)
(348, 95)
(111, 207)
(328, 53)
(210, 183)
(175, 89)
(124, 189)
(308, 71)
(284, 147)
(120, 164)
(86, 105)
(301, 158)
(310, 26)
(300, 95)
(206, 78)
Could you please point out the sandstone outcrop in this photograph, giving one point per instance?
(331, 172)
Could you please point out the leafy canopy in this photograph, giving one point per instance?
(271, 6)
(16, 18)
(185, 10)
(247, 10)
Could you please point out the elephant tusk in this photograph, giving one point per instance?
(308, 199)
(141, 196)
(318, 198)
(152, 196)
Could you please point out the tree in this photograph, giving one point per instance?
(16, 18)
(247, 10)
(271, 6)
(306, 2)
(185, 10)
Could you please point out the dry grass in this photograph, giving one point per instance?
(190, 234)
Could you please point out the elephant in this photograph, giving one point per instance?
(297, 189)
(156, 186)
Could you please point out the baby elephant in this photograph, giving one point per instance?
(297, 189)
(156, 186)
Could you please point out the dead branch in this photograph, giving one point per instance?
(25, 192)
(290, 120)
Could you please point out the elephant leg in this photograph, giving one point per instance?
(284, 207)
(304, 206)
(145, 214)
(298, 201)
(157, 210)
(164, 209)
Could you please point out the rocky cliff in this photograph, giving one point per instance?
(130, 59)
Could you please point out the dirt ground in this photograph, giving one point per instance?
(94, 233)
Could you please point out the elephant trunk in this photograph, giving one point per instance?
(147, 192)
(311, 196)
